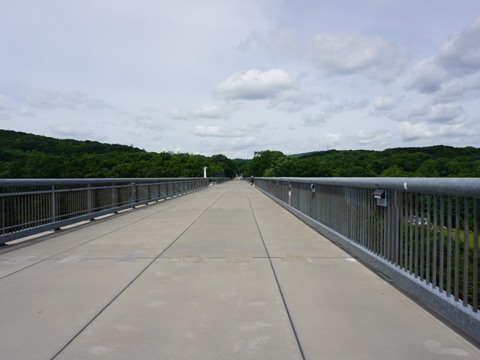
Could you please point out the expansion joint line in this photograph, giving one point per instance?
(135, 278)
(297, 339)
(85, 242)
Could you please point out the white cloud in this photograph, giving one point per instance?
(218, 131)
(293, 100)
(453, 130)
(449, 132)
(383, 103)
(246, 44)
(378, 138)
(254, 84)
(410, 113)
(285, 42)
(148, 122)
(205, 111)
(457, 58)
(244, 142)
(4, 108)
(3, 102)
(314, 119)
(461, 54)
(411, 132)
(331, 139)
(72, 132)
(213, 112)
(350, 53)
(178, 114)
(9, 109)
(25, 111)
(442, 113)
(431, 113)
(200, 130)
(427, 76)
(147, 119)
(347, 105)
(44, 98)
(461, 90)
(332, 109)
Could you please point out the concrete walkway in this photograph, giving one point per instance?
(223, 273)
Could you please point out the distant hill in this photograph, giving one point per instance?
(431, 161)
(21, 141)
(25, 155)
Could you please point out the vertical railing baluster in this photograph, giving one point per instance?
(466, 243)
(401, 224)
(457, 249)
(449, 246)
(415, 268)
(422, 237)
(442, 244)
(410, 250)
(435, 239)
(3, 214)
(53, 215)
(475, 256)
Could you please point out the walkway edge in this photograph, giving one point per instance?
(445, 309)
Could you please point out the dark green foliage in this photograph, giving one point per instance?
(434, 161)
(32, 156)
(28, 142)
(262, 162)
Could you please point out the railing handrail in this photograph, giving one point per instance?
(76, 181)
(447, 186)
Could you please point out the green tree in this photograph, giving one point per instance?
(427, 169)
(393, 171)
(262, 160)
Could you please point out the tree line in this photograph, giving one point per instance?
(433, 161)
(33, 156)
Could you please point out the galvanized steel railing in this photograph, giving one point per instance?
(420, 233)
(31, 206)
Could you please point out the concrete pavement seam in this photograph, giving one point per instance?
(133, 280)
(277, 282)
(88, 241)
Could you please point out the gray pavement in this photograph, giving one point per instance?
(223, 273)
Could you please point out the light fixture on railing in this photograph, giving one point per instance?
(381, 196)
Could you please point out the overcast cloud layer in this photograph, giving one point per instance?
(234, 77)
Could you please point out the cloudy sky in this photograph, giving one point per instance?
(238, 76)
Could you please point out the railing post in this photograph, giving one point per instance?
(132, 194)
(114, 199)
(3, 215)
(53, 214)
(89, 199)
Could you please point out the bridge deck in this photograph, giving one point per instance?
(224, 273)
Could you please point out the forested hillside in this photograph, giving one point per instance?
(435, 161)
(33, 156)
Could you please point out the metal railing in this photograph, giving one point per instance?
(31, 206)
(421, 233)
